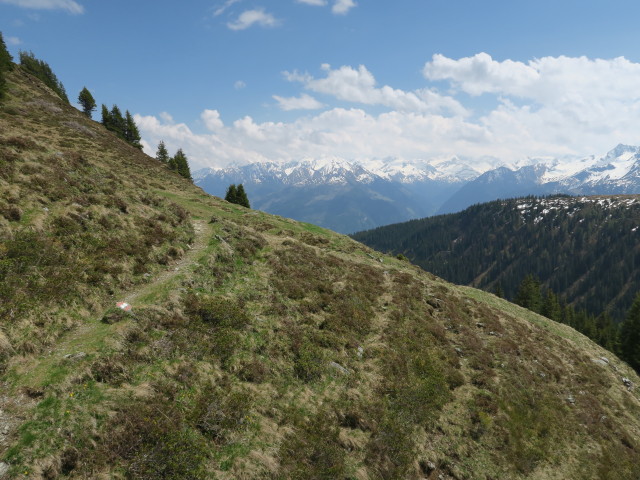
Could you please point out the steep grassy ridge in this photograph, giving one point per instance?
(259, 347)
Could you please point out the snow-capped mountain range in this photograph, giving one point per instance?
(349, 196)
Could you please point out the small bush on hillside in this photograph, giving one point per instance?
(152, 440)
(220, 413)
(312, 450)
(216, 311)
(114, 315)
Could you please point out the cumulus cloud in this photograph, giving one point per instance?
(560, 101)
(13, 41)
(548, 79)
(342, 7)
(303, 102)
(359, 86)
(551, 106)
(339, 7)
(166, 116)
(239, 85)
(248, 18)
(68, 5)
(212, 120)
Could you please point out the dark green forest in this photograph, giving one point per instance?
(584, 249)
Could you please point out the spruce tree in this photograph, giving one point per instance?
(131, 132)
(241, 197)
(118, 124)
(630, 336)
(86, 100)
(162, 155)
(528, 295)
(106, 117)
(551, 306)
(6, 65)
(6, 60)
(180, 164)
(232, 194)
(606, 332)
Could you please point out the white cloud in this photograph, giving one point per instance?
(316, 3)
(222, 8)
(342, 7)
(551, 106)
(212, 120)
(296, 76)
(13, 41)
(166, 117)
(572, 103)
(359, 86)
(249, 18)
(303, 102)
(548, 79)
(68, 5)
(239, 85)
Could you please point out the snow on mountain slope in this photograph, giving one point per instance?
(440, 185)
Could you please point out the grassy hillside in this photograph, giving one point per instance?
(259, 347)
(585, 249)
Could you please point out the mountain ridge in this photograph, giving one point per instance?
(419, 189)
(258, 346)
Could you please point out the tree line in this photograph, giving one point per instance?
(623, 338)
(123, 126)
(178, 163)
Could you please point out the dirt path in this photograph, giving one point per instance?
(202, 231)
(80, 342)
(86, 337)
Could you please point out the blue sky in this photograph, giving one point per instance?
(279, 80)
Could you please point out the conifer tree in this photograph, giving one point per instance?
(241, 197)
(179, 163)
(42, 70)
(118, 124)
(551, 306)
(6, 65)
(106, 117)
(232, 194)
(528, 295)
(6, 60)
(630, 336)
(606, 332)
(131, 132)
(162, 155)
(87, 101)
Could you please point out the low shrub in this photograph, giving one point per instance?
(312, 450)
(151, 440)
(216, 311)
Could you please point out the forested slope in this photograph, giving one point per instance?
(585, 249)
